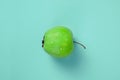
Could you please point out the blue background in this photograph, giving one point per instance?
(95, 23)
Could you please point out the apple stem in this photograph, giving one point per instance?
(80, 44)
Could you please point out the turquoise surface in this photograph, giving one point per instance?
(95, 23)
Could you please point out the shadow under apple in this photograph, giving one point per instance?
(73, 62)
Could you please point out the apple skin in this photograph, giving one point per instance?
(58, 41)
